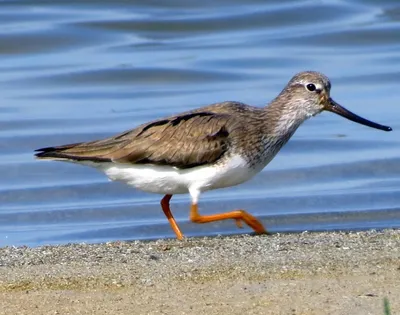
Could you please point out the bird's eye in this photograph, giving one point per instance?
(311, 87)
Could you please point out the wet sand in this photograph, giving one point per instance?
(308, 273)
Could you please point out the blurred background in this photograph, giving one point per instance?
(76, 71)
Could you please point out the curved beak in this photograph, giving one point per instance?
(334, 107)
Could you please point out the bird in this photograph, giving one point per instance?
(216, 146)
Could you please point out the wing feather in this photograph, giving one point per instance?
(183, 141)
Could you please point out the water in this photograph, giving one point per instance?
(75, 71)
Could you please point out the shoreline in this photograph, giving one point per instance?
(307, 273)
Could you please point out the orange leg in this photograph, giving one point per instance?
(170, 217)
(237, 215)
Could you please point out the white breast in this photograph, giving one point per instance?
(171, 180)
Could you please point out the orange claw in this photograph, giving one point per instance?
(237, 215)
(239, 223)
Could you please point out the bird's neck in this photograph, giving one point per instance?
(283, 116)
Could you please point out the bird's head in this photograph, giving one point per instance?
(309, 94)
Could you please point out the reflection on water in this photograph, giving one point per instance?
(81, 70)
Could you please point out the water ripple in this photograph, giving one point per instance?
(82, 70)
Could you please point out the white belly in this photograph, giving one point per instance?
(170, 180)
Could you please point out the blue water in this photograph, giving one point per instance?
(75, 71)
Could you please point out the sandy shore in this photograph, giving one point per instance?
(308, 273)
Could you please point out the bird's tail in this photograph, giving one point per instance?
(71, 152)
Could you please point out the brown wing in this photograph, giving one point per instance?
(183, 141)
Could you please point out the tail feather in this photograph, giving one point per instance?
(68, 152)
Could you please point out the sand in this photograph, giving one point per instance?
(308, 273)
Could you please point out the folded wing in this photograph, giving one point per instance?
(183, 141)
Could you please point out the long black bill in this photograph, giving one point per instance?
(340, 110)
